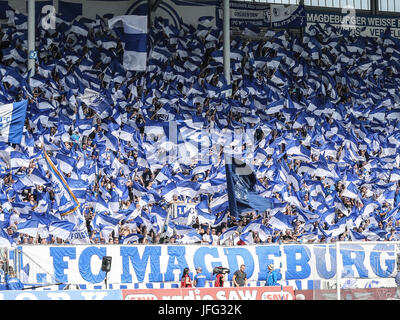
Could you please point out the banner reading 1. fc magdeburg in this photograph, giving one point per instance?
(81, 264)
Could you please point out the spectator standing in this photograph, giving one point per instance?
(214, 237)
(220, 280)
(186, 282)
(272, 277)
(240, 277)
(13, 283)
(199, 280)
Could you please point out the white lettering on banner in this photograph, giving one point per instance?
(59, 296)
(374, 26)
(5, 121)
(26, 296)
(91, 295)
(81, 264)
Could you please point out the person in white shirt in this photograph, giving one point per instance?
(214, 237)
(206, 237)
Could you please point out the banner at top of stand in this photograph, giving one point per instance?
(264, 15)
(360, 24)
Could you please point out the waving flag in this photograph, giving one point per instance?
(5, 239)
(241, 182)
(30, 227)
(219, 203)
(132, 238)
(203, 215)
(61, 229)
(247, 237)
(96, 101)
(189, 238)
(395, 175)
(181, 229)
(282, 221)
(135, 39)
(227, 234)
(12, 118)
(66, 200)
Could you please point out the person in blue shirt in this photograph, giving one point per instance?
(272, 277)
(199, 280)
(13, 283)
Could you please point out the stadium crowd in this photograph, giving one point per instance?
(316, 116)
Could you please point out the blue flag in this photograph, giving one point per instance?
(135, 39)
(12, 118)
(65, 199)
(241, 183)
(97, 101)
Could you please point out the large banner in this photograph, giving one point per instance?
(359, 24)
(264, 15)
(81, 264)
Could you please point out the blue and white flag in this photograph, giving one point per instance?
(29, 227)
(12, 119)
(222, 218)
(5, 239)
(205, 217)
(282, 221)
(228, 234)
(66, 201)
(61, 229)
(97, 101)
(132, 238)
(181, 229)
(189, 238)
(219, 202)
(395, 175)
(256, 225)
(135, 39)
(338, 228)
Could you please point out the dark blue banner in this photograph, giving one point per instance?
(241, 183)
(264, 15)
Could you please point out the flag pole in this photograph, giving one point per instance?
(231, 193)
(227, 42)
(31, 38)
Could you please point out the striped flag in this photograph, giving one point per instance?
(66, 200)
(135, 39)
(12, 118)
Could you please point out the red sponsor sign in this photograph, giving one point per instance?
(242, 293)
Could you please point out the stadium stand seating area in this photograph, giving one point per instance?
(317, 117)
